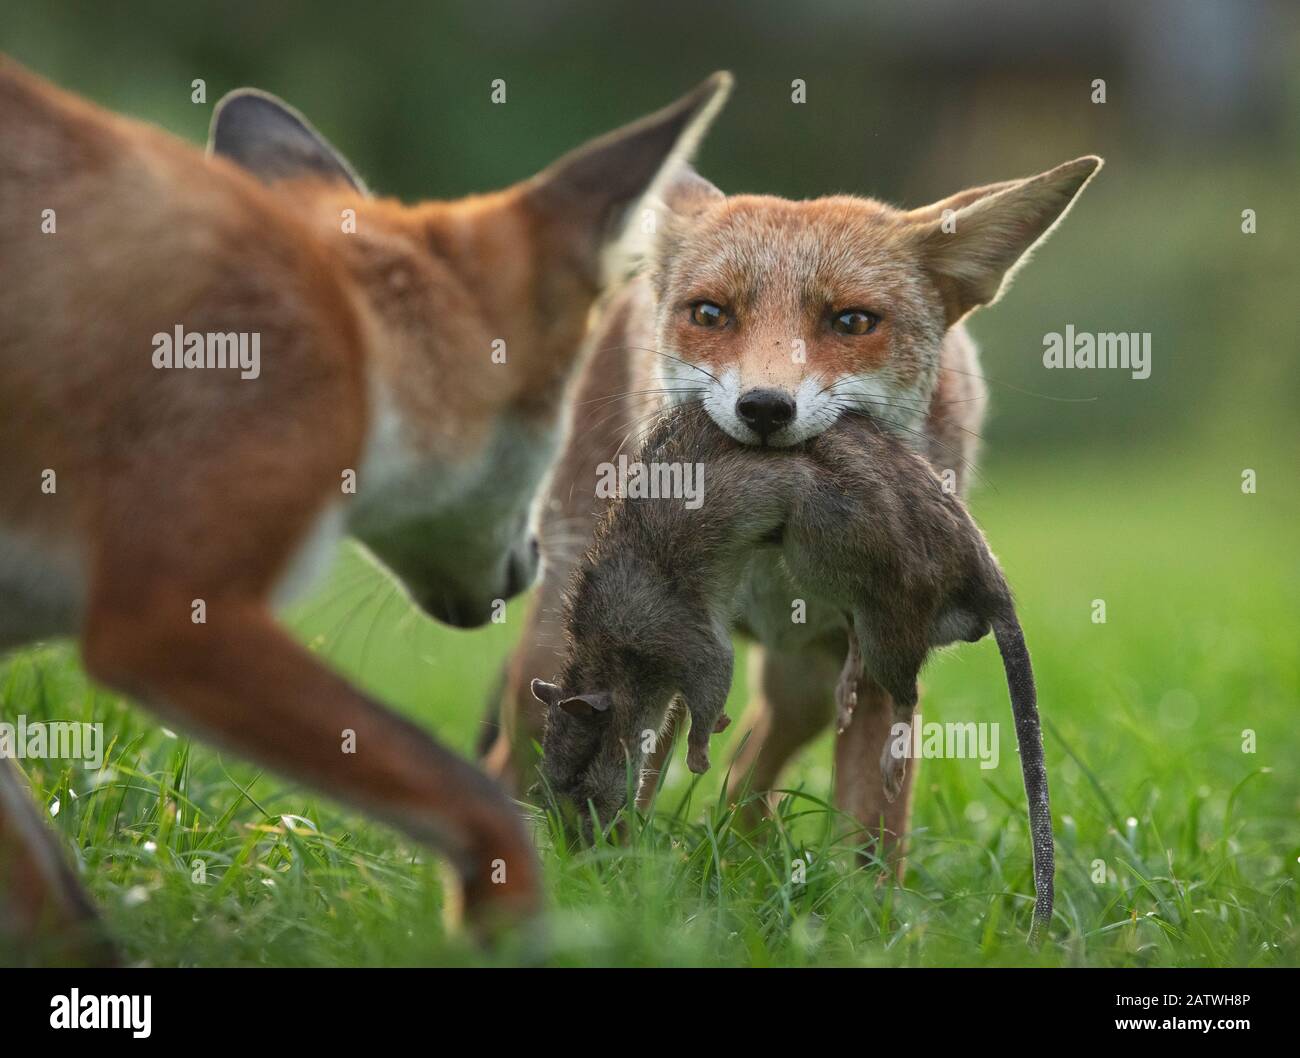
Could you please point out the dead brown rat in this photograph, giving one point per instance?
(863, 524)
(648, 615)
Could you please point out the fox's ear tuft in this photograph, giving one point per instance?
(273, 141)
(972, 243)
(590, 192)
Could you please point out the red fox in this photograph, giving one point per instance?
(781, 317)
(210, 367)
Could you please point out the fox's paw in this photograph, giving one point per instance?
(498, 890)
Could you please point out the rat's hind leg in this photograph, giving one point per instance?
(791, 703)
(893, 757)
(859, 785)
(894, 659)
(846, 689)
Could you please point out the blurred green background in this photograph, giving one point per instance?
(1132, 495)
(906, 101)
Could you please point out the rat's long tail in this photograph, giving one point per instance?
(1029, 737)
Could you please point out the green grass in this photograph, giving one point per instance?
(1196, 840)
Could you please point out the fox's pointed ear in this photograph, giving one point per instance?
(587, 194)
(273, 141)
(972, 243)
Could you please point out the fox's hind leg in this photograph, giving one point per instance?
(46, 918)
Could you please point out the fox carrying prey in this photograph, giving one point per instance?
(781, 318)
(860, 522)
(199, 356)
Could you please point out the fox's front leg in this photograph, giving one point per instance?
(46, 918)
(240, 680)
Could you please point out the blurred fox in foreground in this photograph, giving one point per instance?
(211, 367)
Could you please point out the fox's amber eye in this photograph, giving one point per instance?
(855, 321)
(707, 314)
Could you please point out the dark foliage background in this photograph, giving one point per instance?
(905, 100)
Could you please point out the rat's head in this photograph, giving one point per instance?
(600, 730)
(781, 316)
(633, 653)
(622, 669)
(473, 312)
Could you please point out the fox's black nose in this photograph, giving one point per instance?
(765, 410)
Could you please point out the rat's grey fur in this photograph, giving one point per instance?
(862, 523)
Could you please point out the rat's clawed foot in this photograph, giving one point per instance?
(697, 747)
(893, 769)
(846, 700)
(846, 690)
(706, 720)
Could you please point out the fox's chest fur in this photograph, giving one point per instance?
(771, 609)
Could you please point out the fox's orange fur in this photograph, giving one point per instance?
(173, 488)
